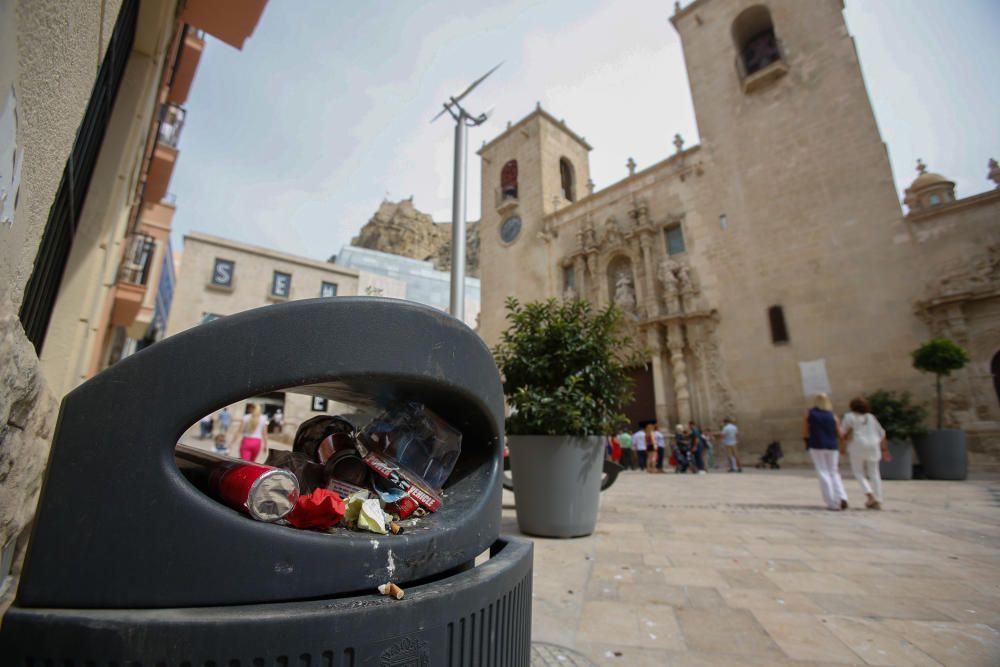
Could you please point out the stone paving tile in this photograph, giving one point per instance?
(805, 637)
(736, 630)
(750, 570)
(924, 588)
(873, 606)
(770, 601)
(952, 644)
(872, 641)
(693, 576)
(971, 611)
(748, 579)
(814, 582)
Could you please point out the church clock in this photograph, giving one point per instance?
(510, 229)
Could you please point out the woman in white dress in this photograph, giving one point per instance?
(866, 444)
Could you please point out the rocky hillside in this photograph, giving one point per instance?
(399, 228)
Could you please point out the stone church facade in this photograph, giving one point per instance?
(768, 261)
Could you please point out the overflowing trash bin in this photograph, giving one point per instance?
(131, 562)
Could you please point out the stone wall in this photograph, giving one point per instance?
(28, 411)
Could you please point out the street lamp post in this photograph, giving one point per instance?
(463, 121)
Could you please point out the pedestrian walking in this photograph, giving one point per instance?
(205, 426)
(628, 454)
(821, 431)
(614, 448)
(639, 443)
(224, 420)
(682, 450)
(866, 444)
(650, 447)
(698, 446)
(661, 446)
(730, 441)
(253, 434)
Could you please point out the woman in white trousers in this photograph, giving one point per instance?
(821, 431)
(866, 444)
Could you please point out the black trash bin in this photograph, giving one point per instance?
(130, 564)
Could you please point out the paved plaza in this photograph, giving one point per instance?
(728, 569)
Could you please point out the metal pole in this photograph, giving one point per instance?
(457, 305)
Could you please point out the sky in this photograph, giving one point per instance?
(293, 142)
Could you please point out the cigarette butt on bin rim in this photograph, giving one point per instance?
(392, 590)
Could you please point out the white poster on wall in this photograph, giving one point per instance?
(814, 378)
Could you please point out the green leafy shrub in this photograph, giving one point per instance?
(899, 416)
(565, 368)
(940, 356)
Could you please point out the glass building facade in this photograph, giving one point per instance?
(424, 283)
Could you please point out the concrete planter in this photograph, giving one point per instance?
(943, 454)
(557, 482)
(901, 465)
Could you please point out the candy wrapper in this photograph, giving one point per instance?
(320, 509)
(391, 473)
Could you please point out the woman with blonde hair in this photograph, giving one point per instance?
(253, 432)
(866, 444)
(821, 431)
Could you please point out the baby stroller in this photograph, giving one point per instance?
(683, 459)
(771, 456)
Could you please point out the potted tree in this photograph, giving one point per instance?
(565, 378)
(902, 420)
(942, 451)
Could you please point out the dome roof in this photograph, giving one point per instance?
(927, 179)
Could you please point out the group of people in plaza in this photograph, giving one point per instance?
(859, 434)
(691, 448)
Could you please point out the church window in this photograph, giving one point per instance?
(508, 180)
(723, 222)
(935, 199)
(567, 179)
(779, 331)
(675, 239)
(756, 44)
(569, 278)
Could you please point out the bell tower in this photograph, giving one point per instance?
(782, 109)
(537, 166)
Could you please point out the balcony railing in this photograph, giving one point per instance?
(171, 124)
(138, 260)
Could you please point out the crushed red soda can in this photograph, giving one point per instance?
(265, 493)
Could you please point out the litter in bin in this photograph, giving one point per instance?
(424, 444)
(392, 590)
(321, 509)
(393, 469)
(372, 517)
(263, 492)
(310, 474)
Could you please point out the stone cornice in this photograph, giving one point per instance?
(990, 196)
(538, 111)
(227, 244)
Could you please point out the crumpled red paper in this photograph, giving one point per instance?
(320, 509)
